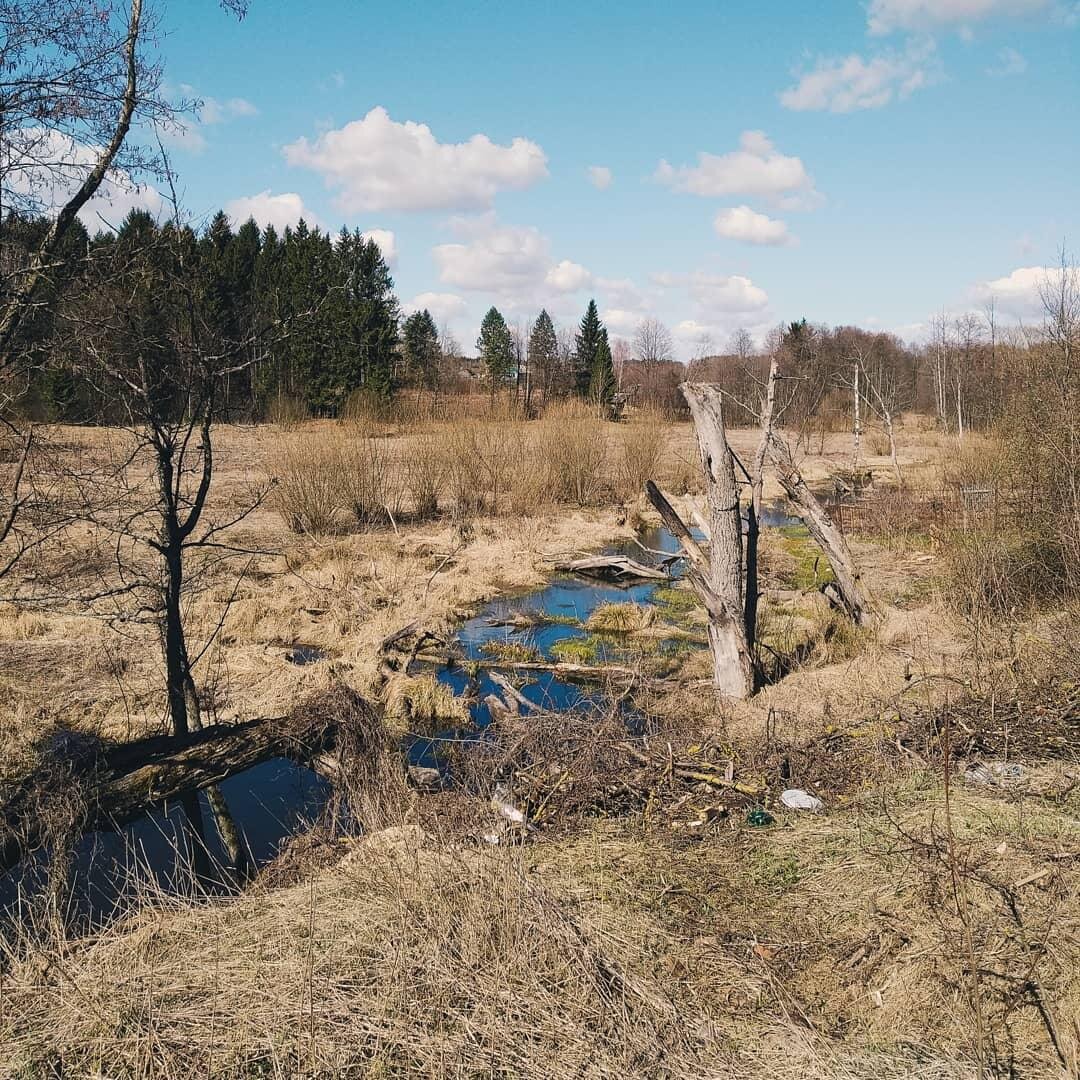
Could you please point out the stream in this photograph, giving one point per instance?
(278, 798)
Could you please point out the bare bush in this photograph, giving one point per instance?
(572, 448)
(307, 483)
(426, 472)
(287, 411)
(640, 453)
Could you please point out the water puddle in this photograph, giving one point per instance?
(269, 803)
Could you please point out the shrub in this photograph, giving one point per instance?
(307, 483)
(287, 411)
(426, 471)
(572, 449)
(640, 453)
(372, 487)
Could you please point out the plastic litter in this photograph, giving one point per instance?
(995, 773)
(797, 799)
(759, 818)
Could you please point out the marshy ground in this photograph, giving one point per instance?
(926, 925)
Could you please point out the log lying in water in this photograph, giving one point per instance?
(556, 667)
(612, 568)
(118, 784)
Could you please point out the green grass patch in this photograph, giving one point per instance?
(586, 650)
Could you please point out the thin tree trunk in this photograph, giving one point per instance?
(753, 516)
(857, 432)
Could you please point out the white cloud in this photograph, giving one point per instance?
(568, 276)
(845, 84)
(885, 16)
(444, 307)
(600, 176)
(756, 168)
(717, 292)
(387, 242)
(1018, 294)
(742, 223)
(1009, 62)
(213, 111)
(48, 187)
(379, 164)
(277, 210)
(621, 293)
(733, 293)
(513, 262)
(620, 320)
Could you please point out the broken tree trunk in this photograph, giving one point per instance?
(120, 783)
(733, 666)
(853, 597)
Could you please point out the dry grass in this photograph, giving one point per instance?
(640, 946)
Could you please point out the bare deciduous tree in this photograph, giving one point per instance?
(652, 342)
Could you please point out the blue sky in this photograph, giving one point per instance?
(866, 163)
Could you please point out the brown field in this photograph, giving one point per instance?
(926, 926)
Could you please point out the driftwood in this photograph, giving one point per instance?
(611, 567)
(115, 785)
(572, 671)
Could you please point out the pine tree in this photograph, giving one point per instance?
(587, 342)
(496, 347)
(544, 352)
(602, 383)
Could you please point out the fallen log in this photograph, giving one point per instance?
(611, 567)
(113, 785)
(577, 671)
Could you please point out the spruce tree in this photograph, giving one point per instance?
(496, 347)
(420, 340)
(587, 342)
(544, 352)
(602, 383)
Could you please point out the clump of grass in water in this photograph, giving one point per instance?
(514, 652)
(576, 650)
(676, 599)
(621, 618)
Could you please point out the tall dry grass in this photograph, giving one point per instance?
(639, 453)
(572, 450)
(357, 471)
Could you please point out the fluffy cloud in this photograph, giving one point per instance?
(568, 276)
(1019, 294)
(511, 261)
(378, 164)
(600, 176)
(620, 320)
(885, 16)
(277, 210)
(444, 307)
(742, 223)
(756, 168)
(845, 84)
(54, 168)
(387, 244)
(729, 294)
